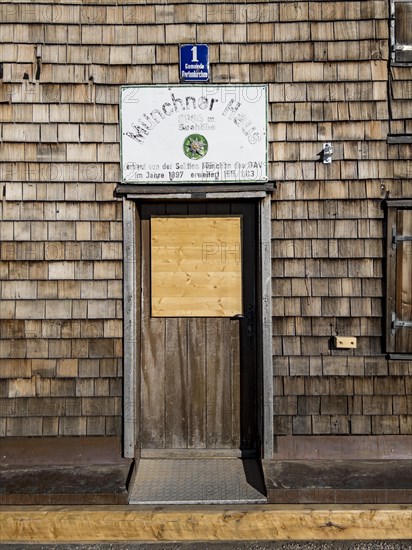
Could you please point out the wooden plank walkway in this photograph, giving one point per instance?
(203, 523)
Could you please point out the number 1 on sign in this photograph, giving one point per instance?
(194, 55)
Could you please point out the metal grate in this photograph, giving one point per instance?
(198, 481)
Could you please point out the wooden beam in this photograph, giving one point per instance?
(265, 291)
(131, 327)
(186, 523)
(336, 447)
(160, 190)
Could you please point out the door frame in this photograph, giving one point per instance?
(131, 311)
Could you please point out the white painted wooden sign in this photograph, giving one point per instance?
(194, 134)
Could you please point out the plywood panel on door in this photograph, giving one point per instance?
(196, 266)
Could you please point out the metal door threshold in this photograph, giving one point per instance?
(198, 481)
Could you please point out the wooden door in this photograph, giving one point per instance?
(198, 374)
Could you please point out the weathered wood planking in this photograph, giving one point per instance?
(404, 281)
(218, 383)
(196, 266)
(197, 382)
(178, 523)
(177, 392)
(235, 409)
(61, 117)
(152, 355)
(132, 330)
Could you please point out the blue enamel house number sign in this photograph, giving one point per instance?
(194, 63)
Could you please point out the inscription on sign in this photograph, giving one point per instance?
(200, 134)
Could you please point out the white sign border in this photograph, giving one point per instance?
(193, 182)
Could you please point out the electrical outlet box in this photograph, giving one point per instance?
(344, 342)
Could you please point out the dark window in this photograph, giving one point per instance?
(401, 13)
(399, 277)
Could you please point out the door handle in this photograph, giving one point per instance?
(237, 317)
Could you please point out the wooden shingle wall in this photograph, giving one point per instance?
(326, 64)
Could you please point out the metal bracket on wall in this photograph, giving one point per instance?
(397, 323)
(399, 238)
